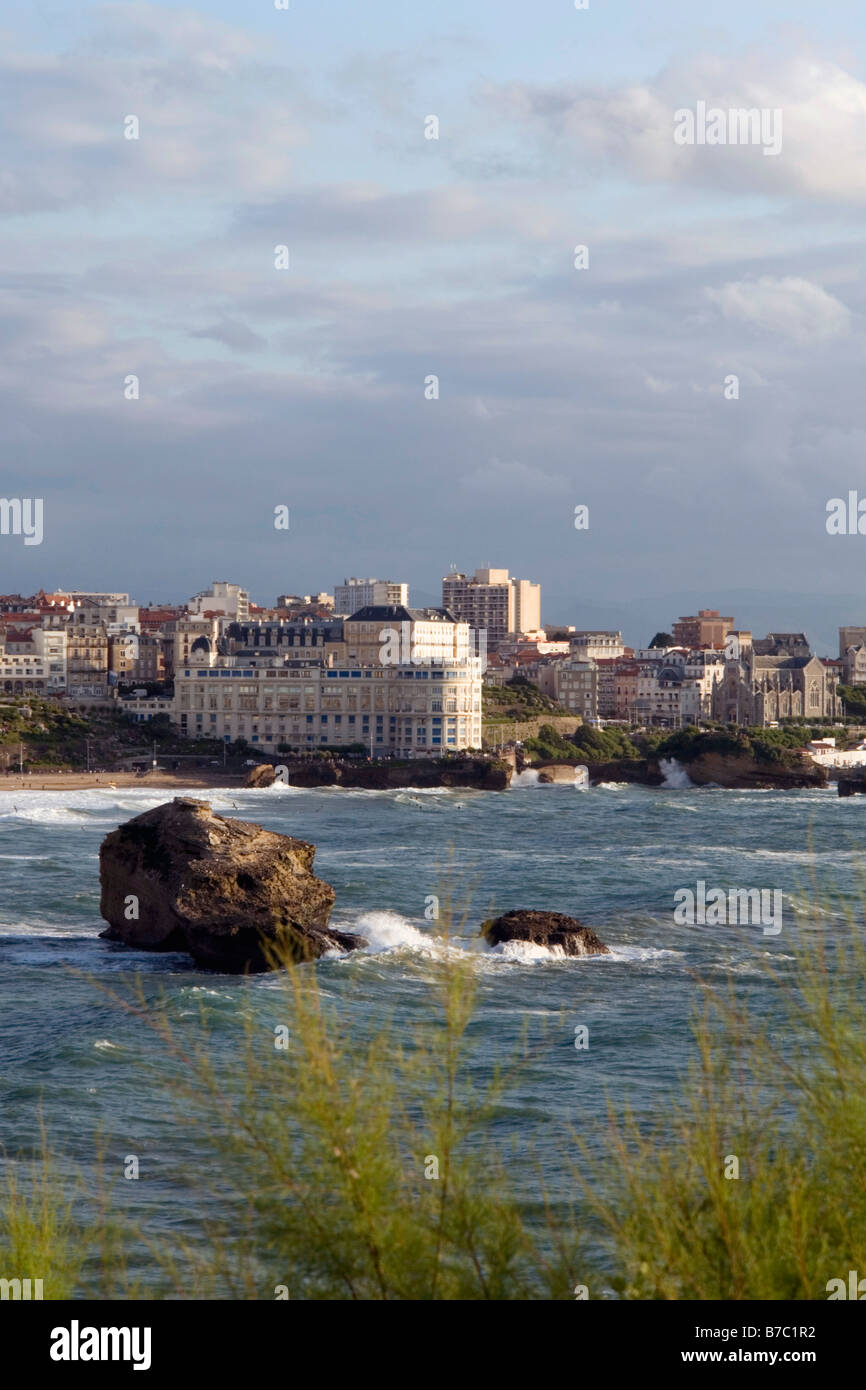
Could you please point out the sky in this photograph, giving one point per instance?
(409, 258)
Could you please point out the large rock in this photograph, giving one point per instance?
(224, 890)
(544, 929)
(264, 775)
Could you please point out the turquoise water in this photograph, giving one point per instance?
(614, 856)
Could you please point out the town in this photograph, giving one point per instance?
(362, 668)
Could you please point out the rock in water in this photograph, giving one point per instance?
(180, 878)
(544, 929)
(263, 775)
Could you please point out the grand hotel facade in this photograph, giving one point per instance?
(420, 707)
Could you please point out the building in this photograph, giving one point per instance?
(142, 709)
(403, 710)
(595, 646)
(149, 657)
(33, 662)
(353, 594)
(854, 664)
(666, 698)
(575, 686)
(256, 642)
(532, 645)
(86, 659)
(782, 644)
(228, 600)
(75, 597)
(851, 637)
(39, 646)
(186, 636)
(394, 634)
(764, 687)
(707, 629)
(291, 604)
(493, 603)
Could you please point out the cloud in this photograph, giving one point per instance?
(790, 307)
(232, 334)
(215, 114)
(630, 128)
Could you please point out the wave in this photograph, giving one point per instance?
(527, 778)
(675, 774)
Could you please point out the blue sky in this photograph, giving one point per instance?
(453, 257)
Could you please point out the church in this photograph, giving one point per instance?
(775, 678)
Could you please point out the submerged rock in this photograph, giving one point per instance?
(544, 929)
(181, 878)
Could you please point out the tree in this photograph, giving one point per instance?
(662, 639)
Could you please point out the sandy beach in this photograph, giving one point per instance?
(87, 781)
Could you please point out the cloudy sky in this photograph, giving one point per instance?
(411, 257)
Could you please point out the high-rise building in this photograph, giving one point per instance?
(353, 594)
(492, 602)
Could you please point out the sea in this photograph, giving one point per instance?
(614, 855)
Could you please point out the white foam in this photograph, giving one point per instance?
(526, 951)
(527, 778)
(675, 774)
(388, 931)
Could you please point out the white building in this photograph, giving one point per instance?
(406, 710)
(595, 646)
(825, 752)
(353, 594)
(229, 599)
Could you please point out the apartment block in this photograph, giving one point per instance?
(575, 685)
(353, 594)
(86, 660)
(40, 647)
(708, 628)
(492, 602)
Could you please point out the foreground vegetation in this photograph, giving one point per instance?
(349, 1170)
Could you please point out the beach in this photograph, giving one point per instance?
(84, 781)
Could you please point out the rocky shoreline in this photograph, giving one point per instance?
(481, 774)
(735, 773)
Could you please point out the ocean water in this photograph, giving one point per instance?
(613, 855)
